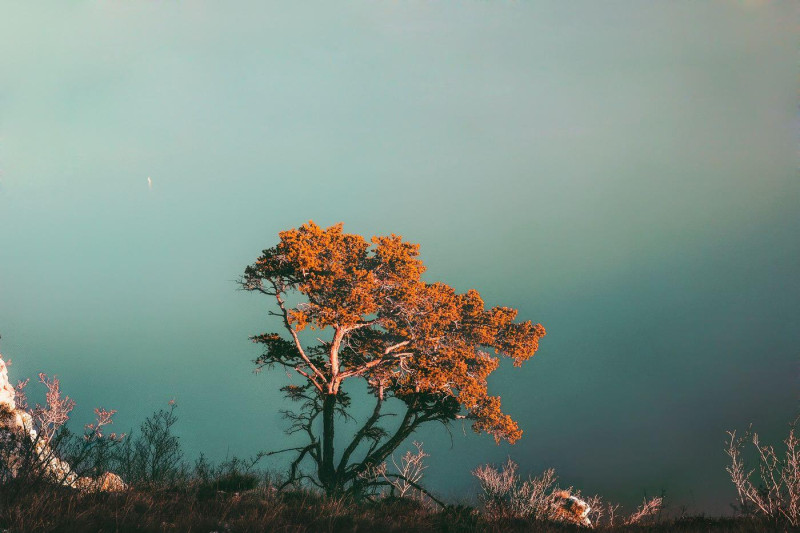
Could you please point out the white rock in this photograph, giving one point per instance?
(569, 508)
(7, 392)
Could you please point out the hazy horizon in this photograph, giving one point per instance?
(623, 173)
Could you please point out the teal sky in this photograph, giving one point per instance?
(624, 173)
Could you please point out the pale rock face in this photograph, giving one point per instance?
(7, 392)
(16, 425)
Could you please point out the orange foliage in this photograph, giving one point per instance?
(406, 337)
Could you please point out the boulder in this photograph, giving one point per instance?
(569, 508)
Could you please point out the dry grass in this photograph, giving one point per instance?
(189, 509)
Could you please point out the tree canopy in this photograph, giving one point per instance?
(421, 343)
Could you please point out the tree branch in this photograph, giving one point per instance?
(359, 436)
(418, 487)
(308, 377)
(293, 469)
(383, 359)
(297, 343)
(377, 454)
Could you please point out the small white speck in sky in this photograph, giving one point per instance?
(149, 183)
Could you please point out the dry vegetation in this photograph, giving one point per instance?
(776, 493)
(166, 493)
(186, 508)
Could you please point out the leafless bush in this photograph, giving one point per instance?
(778, 494)
(647, 510)
(19, 394)
(497, 486)
(154, 456)
(505, 495)
(233, 475)
(405, 481)
(42, 450)
(410, 471)
(51, 416)
(532, 498)
(602, 512)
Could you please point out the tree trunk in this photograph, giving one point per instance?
(327, 473)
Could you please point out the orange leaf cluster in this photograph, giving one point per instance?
(406, 337)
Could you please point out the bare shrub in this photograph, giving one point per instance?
(20, 398)
(42, 449)
(405, 481)
(505, 495)
(410, 470)
(497, 486)
(234, 475)
(604, 513)
(51, 416)
(646, 511)
(154, 456)
(778, 495)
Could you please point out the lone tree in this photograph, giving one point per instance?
(417, 342)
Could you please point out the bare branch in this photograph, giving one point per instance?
(297, 342)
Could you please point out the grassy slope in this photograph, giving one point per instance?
(55, 509)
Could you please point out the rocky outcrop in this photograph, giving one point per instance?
(21, 446)
(7, 392)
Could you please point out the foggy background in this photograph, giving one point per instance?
(624, 173)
